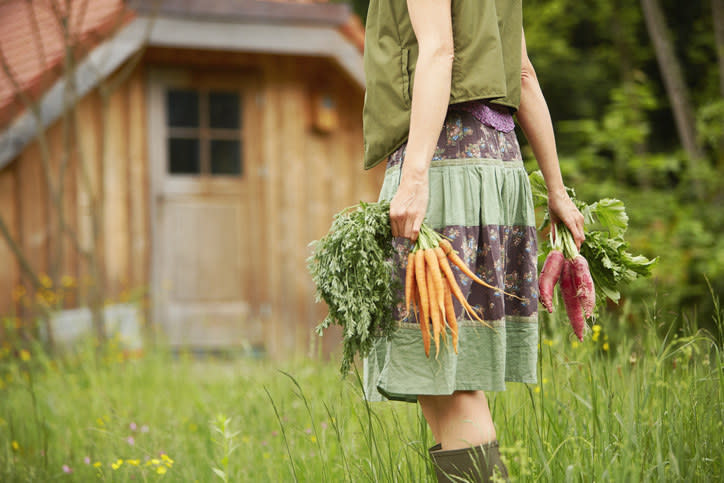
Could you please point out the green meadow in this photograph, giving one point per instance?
(613, 408)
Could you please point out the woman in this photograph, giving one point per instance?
(443, 80)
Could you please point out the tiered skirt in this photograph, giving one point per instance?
(481, 200)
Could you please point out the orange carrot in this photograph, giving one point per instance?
(458, 262)
(446, 246)
(424, 305)
(424, 327)
(434, 306)
(432, 262)
(438, 291)
(454, 288)
(450, 315)
(409, 280)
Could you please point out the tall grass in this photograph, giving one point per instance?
(644, 408)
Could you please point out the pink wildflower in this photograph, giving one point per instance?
(67, 469)
(132, 426)
(87, 460)
(130, 440)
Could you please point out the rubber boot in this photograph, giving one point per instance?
(476, 464)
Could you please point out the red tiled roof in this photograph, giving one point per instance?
(32, 46)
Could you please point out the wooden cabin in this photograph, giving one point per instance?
(218, 140)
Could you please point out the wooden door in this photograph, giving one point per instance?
(202, 208)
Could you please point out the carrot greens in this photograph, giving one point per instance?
(352, 269)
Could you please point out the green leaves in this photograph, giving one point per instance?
(610, 214)
(352, 269)
(611, 264)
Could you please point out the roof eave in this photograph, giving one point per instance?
(249, 11)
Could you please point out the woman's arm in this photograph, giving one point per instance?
(535, 121)
(432, 24)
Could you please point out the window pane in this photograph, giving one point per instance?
(183, 156)
(225, 157)
(224, 110)
(182, 108)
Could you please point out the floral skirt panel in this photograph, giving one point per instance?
(481, 200)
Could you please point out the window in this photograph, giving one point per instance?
(204, 132)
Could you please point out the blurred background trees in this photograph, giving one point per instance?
(635, 90)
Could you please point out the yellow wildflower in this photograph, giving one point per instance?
(25, 355)
(15, 446)
(133, 462)
(574, 344)
(156, 461)
(313, 438)
(167, 460)
(100, 422)
(117, 464)
(161, 470)
(596, 328)
(536, 389)
(49, 296)
(45, 280)
(97, 464)
(605, 346)
(548, 342)
(595, 335)
(545, 380)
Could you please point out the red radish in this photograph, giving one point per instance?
(584, 285)
(571, 300)
(552, 268)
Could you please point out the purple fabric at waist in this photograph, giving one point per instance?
(499, 118)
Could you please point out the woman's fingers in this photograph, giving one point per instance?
(406, 225)
(576, 227)
(407, 212)
(562, 209)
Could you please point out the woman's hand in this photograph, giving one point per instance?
(408, 207)
(562, 209)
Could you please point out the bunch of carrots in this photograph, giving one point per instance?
(430, 287)
(564, 263)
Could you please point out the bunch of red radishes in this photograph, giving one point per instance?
(607, 257)
(564, 263)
